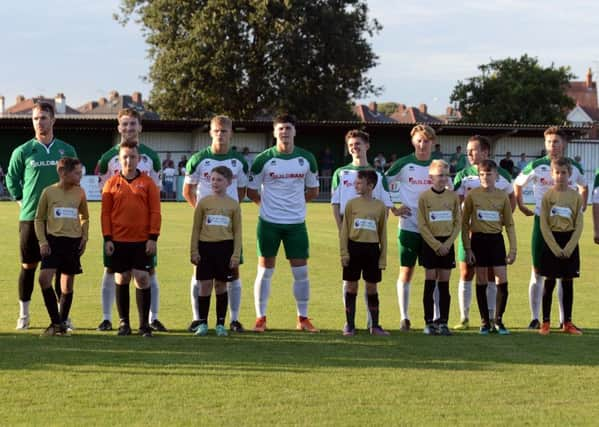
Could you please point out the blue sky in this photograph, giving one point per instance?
(425, 47)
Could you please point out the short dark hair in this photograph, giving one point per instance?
(67, 164)
(562, 162)
(555, 130)
(284, 118)
(129, 144)
(483, 141)
(357, 133)
(44, 106)
(369, 175)
(487, 166)
(131, 112)
(224, 171)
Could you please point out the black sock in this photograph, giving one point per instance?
(548, 287)
(350, 309)
(483, 307)
(65, 305)
(122, 302)
(428, 300)
(57, 287)
(26, 282)
(144, 299)
(373, 308)
(222, 300)
(444, 301)
(567, 299)
(204, 308)
(501, 301)
(51, 305)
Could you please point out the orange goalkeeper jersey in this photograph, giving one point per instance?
(130, 209)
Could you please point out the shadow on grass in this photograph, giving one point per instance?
(291, 351)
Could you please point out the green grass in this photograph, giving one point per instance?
(284, 377)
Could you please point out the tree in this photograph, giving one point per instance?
(515, 90)
(387, 108)
(249, 57)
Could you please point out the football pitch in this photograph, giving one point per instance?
(284, 377)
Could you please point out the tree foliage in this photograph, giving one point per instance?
(387, 108)
(515, 90)
(250, 57)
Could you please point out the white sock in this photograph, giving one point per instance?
(560, 299)
(535, 295)
(24, 308)
(108, 295)
(262, 290)
(403, 295)
(491, 298)
(464, 298)
(154, 297)
(234, 292)
(194, 293)
(436, 308)
(301, 289)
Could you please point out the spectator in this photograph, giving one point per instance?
(168, 162)
(578, 160)
(181, 165)
(457, 162)
(249, 157)
(437, 153)
(543, 153)
(522, 162)
(508, 163)
(380, 162)
(327, 162)
(168, 181)
(391, 161)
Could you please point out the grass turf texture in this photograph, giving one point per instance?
(284, 376)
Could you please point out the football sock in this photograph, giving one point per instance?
(350, 309)
(57, 287)
(155, 297)
(491, 298)
(481, 299)
(373, 308)
(194, 292)
(403, 296)
(560, 300)
(122, 302)
(502, 294)
(301, 289)
(144, 301)
(204, 308)
(221, 308)
(568, 299)
(444, 301)
(234, 292)
(437, 310)
(108, 295)
(427, 300)
(464, 298)
(26, 279)
(51, 305)
(548, 287)
(535, 294)
(262, 290)
(66, 300)
(24, 308)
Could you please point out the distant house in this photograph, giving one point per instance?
(370, 113)
(586, 111)
(23, 106)
(115, 101)
(405, 114)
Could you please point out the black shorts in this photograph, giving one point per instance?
(554, 267)
(130, 255)
(215, 258)
(29, 245)
(430, 260)
(488, 249)
(64, 255)
(363, 259)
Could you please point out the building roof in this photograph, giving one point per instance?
(369, 113)
(25, 106)
(116, 102)
(584, 92)
(414, 115)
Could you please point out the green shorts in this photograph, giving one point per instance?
(410, 245)
(107, 259)
(536, 243)
(293, 236)
(461, 250)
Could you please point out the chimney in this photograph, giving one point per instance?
(401, 108)
(102, 101)
(113, 95)
(136, 97)
(20, 98)
(60, 104)
(449, 111)
(373, 107)
(589, 80)
(423, 108)
(2, 104)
